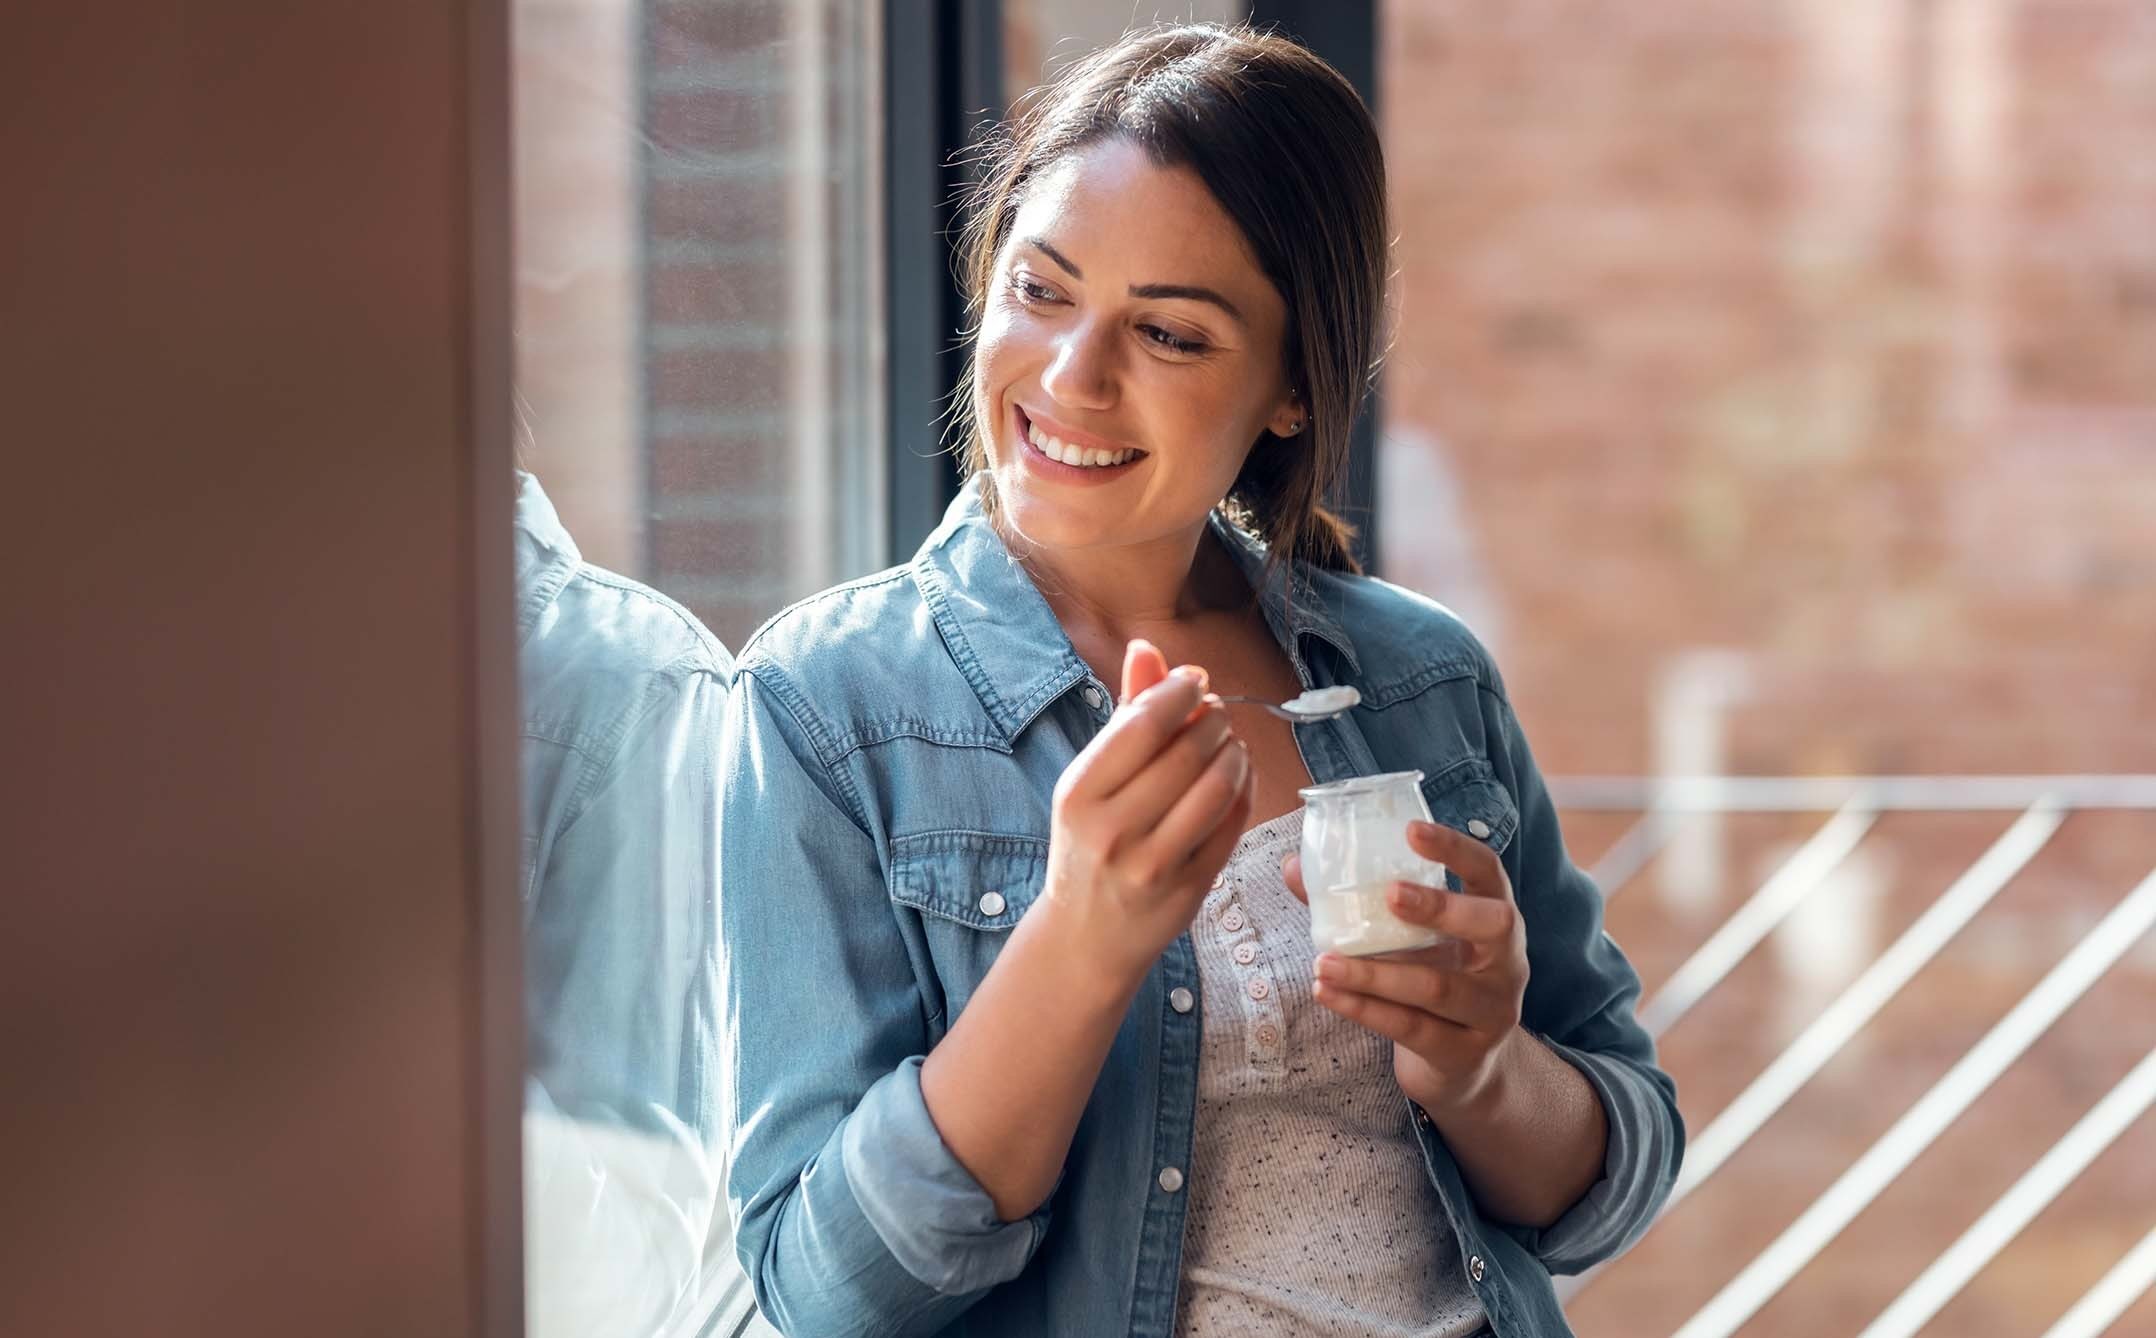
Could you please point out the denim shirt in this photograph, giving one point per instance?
(622, 696)
(891, 752)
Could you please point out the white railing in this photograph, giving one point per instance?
(2043, 803)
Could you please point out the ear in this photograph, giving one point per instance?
(1289, 418)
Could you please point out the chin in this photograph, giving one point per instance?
(1052, 522)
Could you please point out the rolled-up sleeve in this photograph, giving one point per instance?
(852, 1217)
(1581, 999)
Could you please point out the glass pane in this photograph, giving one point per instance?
(699, 325)
(1775, 389)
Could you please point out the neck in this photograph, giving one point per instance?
(1136, 590)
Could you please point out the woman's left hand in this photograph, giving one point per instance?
(1452, 1011)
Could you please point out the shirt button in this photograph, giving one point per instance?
(1233, 920)
(1268, 1035)
(992, 904)
(1245, 953)
(1181, 1000)
(1475, 1266)
(1172, 1179)
(1093, 697)
(1478, 829)
(1259, 989)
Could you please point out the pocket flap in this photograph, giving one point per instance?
(1467, 797)
(978, 879)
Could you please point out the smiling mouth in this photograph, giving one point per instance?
(1070, 454)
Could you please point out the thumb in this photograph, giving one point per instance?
(1291, 869)
(1143, 666)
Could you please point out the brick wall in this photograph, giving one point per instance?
(759, 332)
(1825, 334)
(1777, 384)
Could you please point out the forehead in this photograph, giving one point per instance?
(1110, 205)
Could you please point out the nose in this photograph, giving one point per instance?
(1082, 373)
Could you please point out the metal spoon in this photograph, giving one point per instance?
(1309, 708)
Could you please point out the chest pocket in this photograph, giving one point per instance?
(969, 890)
(1467, 797)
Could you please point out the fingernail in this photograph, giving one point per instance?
(1330, 967)
(1408, 897)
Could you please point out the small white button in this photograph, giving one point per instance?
(1268, 1035)
(1478, 829)
(1259, 988)
(1093, 697)
(1172, 1180)
(1475, 1267)
(1245, 953)
(992, 903)
(1233, 920)
(1182, 1000)
(1219, 881)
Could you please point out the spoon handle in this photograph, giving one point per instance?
(1273, 708)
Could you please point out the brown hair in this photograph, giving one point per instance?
(1289, 151)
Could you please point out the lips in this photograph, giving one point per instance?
(1066, 451)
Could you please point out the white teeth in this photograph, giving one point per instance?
(1083, 457)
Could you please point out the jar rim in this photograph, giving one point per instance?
(1358, 784)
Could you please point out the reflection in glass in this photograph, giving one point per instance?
(699, 326)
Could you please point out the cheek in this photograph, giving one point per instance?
(1000, 342)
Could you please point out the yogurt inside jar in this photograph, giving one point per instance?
(1354, 849)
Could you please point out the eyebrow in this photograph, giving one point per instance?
(1185, 291)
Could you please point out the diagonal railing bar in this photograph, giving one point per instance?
(1780, 895)
(2018, 1207)
(2112, 1296)
(1631, 852)
(1857, 1005)
(1867, 995)
(1887, 1158)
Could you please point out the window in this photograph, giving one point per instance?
(700, 348)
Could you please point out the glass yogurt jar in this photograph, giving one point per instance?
(1354, 849)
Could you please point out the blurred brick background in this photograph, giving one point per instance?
(1776, 384)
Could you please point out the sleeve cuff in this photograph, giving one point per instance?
(930, 1213)
(1638, 1169)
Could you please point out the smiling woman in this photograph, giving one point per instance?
(1034, 882)
(1255, 316)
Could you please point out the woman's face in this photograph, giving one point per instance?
(1127, 320)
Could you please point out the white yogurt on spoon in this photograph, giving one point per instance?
(1323, 701)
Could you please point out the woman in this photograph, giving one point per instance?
(972, 900)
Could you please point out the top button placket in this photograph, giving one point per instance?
(1258, 990)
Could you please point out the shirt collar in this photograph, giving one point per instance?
(546, 557)
(1007, 642)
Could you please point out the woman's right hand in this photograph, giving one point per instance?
(1145, 817)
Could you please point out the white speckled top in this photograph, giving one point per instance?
(1310, 1211)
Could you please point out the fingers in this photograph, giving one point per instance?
(1483, 920)
(1141, 803)
(1143, 666)
(1422, 1032)
(1199, 815)
(1136, 734)
(1211, 856)
(1454, 996)
(1481, 873)
(1291, 869)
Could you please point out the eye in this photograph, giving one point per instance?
(1174, 343)
(1030, 291)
